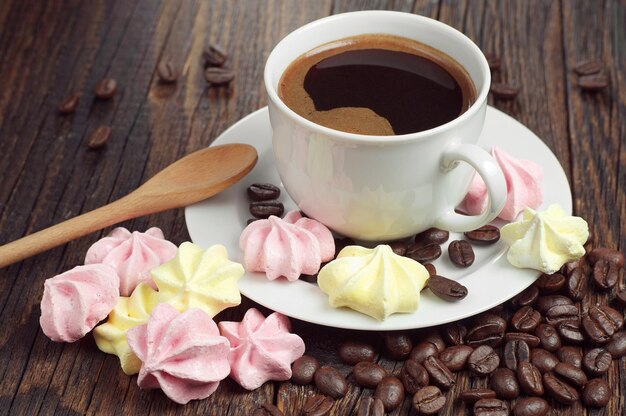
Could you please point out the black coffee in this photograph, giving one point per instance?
(377, 85)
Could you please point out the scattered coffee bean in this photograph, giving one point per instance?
(570, 355)
(428, 401)
(487, 234)
(491, 407)
(548, 337)
(570, 374)
(434, 337)
(438, 373)
(596, 393)
(588, 67)
(368, 374)
(330, 382)
(504, 382)
(530, 379)
(398, 345)
(483, 360)
(593, 83)
(432, 236)
(515, 352)
(456, 356)
(423, 350)
(606, 274)
(617, 345)
(531, 406)
(562, 313)
(268, 409)
(454, 333)
(620, 298)
(303, 370)
(607, 254)
(577, 284)
(263, 209)
(218, 76)
(317, 405)
(526, 319)
(559, 390)
(167, 72)
(597, 362)
(571, 332)
(68, 105)
(601, 323)
(446, 289)
(529, 339)
(370, 406)
(581, 262)
(527, 298)
(487, 329)
(414, 376)
(461, 253)
(263, 191)
(352, 352)
(99, 137)
(544, 303)
(493, 61)
(432, 270)
(474, 395)
(398, 247)
(550, 283)
(423, 253)
(390, 391)
(544, 360)
(214, 55)
(503, 91)
(105, 89)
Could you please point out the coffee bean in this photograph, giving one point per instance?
(317, 405)
(438, 373)
(167, 72)
(454, 333)
(432, 270)
(398, 345)
(474, 395)
(267, 409)
(545, 303)
(456, 356)
(303, 369)
(562, 313)
(214, 55)
(544, 360)
(620, 298)
(483, 360)
(368, 374)
(446, 289)
(263, 191)
(608, 254)
(526, 319)
(531, 406)
(570, 374)
(588, 67)
(434, 337)
(548, 337)
(570, 355)
(491, 407)
(601, 323)
(515, 352)
(330, 382)
(550, 283)
(414, 376)
(597, 362)
(593, 83)
(423, 350)
(105, 89)
(341, 243)
(577, 284)
(352, 352)
(263, 209)
(569, 267)
(559, 390)
(398, 247)
(370, 406)
(99, 137)
(529, 339)
(526, 298)
(390, 391)
(606, 274)
(69, 104)
(503, 91)
(218, 76)
(487, 329)
(570, 332)
(617, 345)
(428, 401)
(596, 393)
(493, 61)
(461, 253)
(487, 234)
(432, 236)
(423, 253)
(529, 378)
(504, 383)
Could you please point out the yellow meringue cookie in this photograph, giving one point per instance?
(128, 312)
(198, 278)
(545, 240)
(376, 282)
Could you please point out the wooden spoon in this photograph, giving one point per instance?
(193, 178)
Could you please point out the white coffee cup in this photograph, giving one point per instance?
(383, 187)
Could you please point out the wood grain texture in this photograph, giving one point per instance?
(49, 50)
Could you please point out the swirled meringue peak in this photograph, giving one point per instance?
(198, 278)
(183, 354)
(376, 282)
(129, 312)
(523, 181)
(261, 349)
(545, 240)
(75, 301)
(286, 247)
(132, 255)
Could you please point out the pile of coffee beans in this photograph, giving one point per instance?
(264, 201)
(591, 77)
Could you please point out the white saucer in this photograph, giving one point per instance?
(491, 280)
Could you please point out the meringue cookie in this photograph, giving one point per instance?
(181, 353)
(196, 278)
(75, 301)
(129, 312)
(261, 349)
(545, 240)
(523, 182)
(376, 282)
(132, 255)
(286, 247)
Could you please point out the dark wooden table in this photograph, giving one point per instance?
(49, 49)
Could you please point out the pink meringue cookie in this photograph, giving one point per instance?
(181, 353)
(261, 349)
(75, 301)
(286, 247)
(132, 255)
(523, 180)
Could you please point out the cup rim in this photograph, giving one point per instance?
(372, 139)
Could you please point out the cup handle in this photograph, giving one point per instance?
(491, 174)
